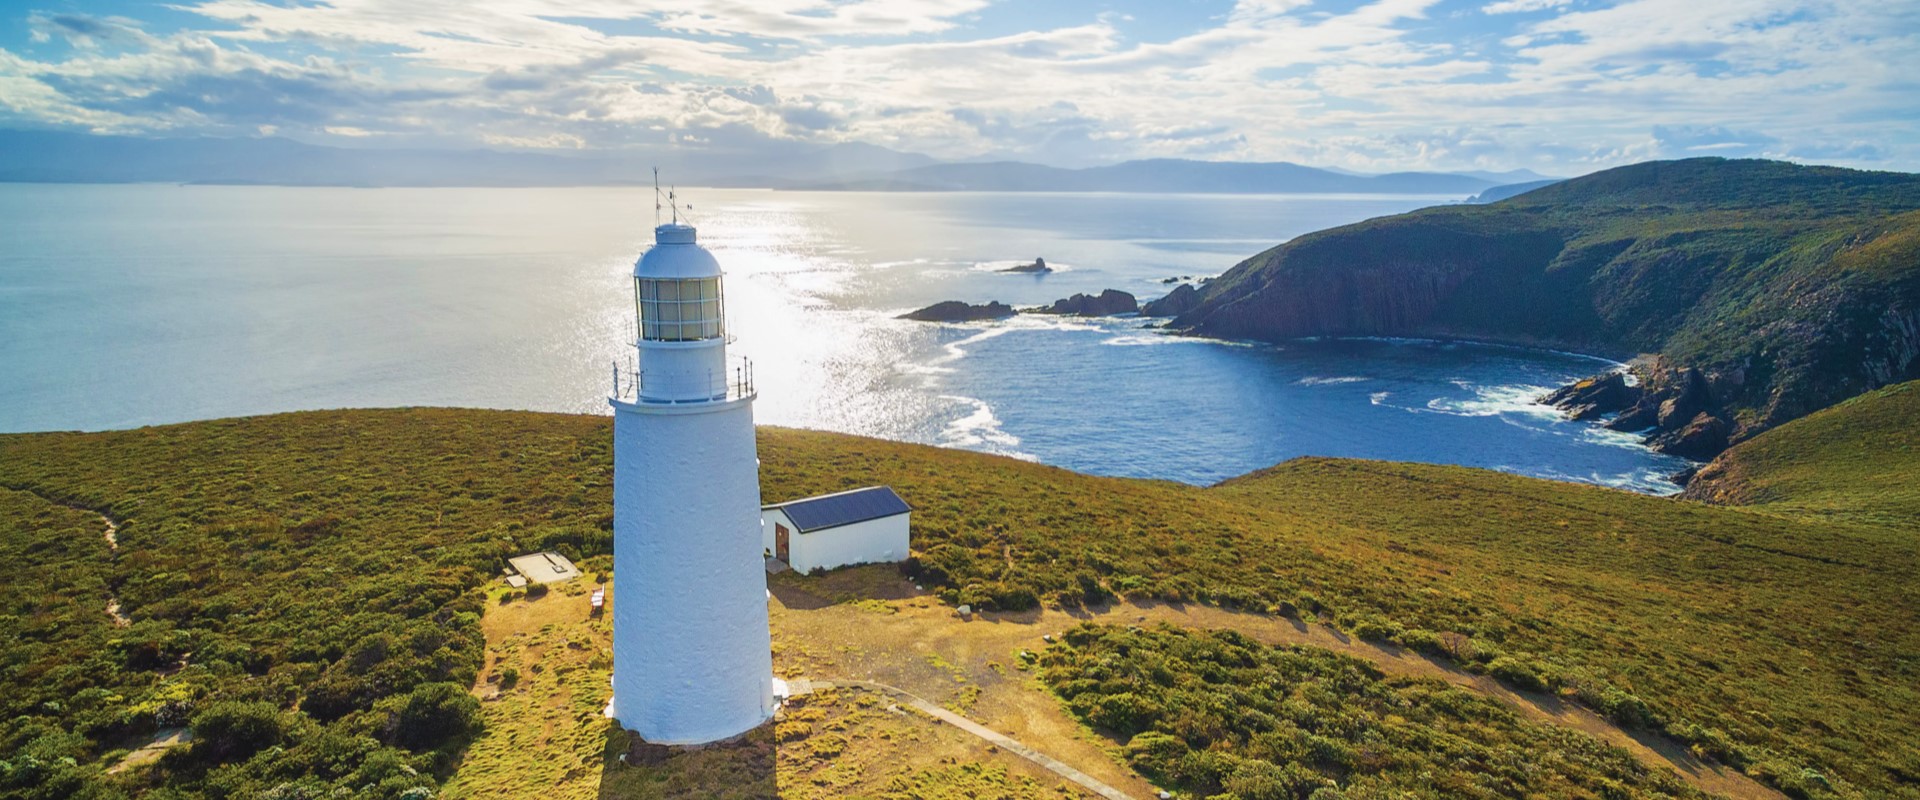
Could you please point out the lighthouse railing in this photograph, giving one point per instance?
(678, 388)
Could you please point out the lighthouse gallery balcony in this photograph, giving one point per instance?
(642, 387)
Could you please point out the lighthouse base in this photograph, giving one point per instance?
(692, 655)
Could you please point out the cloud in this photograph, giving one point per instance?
(1521, 6)
(810, 117)
(1381, 85)
(1705, 140)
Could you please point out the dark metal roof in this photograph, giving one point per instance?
(844, 508)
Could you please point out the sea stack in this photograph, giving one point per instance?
(692, 655)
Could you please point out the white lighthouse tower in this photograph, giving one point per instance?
(692, 656)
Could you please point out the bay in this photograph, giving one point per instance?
(123, 306)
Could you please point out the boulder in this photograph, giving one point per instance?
(1038, 265)
(1643, 415)
(957, 311)
(1109, 303)
(1686, 396)
(1182, 299)
(1593, 397)
(1702, 438)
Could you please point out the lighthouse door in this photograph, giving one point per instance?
(780, 541)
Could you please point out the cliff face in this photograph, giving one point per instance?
(1354, 282)
(1785, 288)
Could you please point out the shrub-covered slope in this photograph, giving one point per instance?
(323, 567)
(1859, 460)
(1214, 712)
(1791, 287)
(304, 582)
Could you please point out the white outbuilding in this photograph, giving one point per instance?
(862, 526)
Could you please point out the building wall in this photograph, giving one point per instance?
(692, 656)
(871, 542)
(768, 518)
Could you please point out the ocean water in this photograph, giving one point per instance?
(123, 306)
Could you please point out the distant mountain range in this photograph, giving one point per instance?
(54, 157)
(1161, 175)
(57, 157)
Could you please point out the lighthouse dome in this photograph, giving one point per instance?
(676, 254)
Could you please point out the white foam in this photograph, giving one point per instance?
(1644, 480)
(1495, 401)
(1317, 381)
(980, 429)
(1613, 438)
(956, 350)
(1150, 339)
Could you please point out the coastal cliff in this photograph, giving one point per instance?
(1782, 288)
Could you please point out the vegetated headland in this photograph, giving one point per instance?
(305, 594)
(1766, 290)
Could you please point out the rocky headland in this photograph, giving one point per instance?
(1770, 290)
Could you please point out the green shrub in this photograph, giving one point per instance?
(1516, 673)
(1260, 780)
(433, 714)
(231, 730)
(1125, 713)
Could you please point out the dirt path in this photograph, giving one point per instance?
(112, 537)
(162, 742)
(986, 734)
(917, 643)
(120, 620)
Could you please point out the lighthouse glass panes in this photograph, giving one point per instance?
(679, 310)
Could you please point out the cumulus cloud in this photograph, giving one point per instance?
(1384, 84)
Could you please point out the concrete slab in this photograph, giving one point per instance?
(548, 567)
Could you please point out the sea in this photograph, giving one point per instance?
(131, 305)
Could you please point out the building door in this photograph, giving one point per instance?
(780, 541)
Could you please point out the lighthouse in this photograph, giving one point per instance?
(692, 656)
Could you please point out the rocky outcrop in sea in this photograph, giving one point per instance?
(1107, 304)
(959, 311)
(1182, 299)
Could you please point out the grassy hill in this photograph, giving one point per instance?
(322, 570)
(1857, 461)
(1790, 287)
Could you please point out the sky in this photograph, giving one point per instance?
(1559, 86)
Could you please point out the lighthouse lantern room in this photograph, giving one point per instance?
(692, 654)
